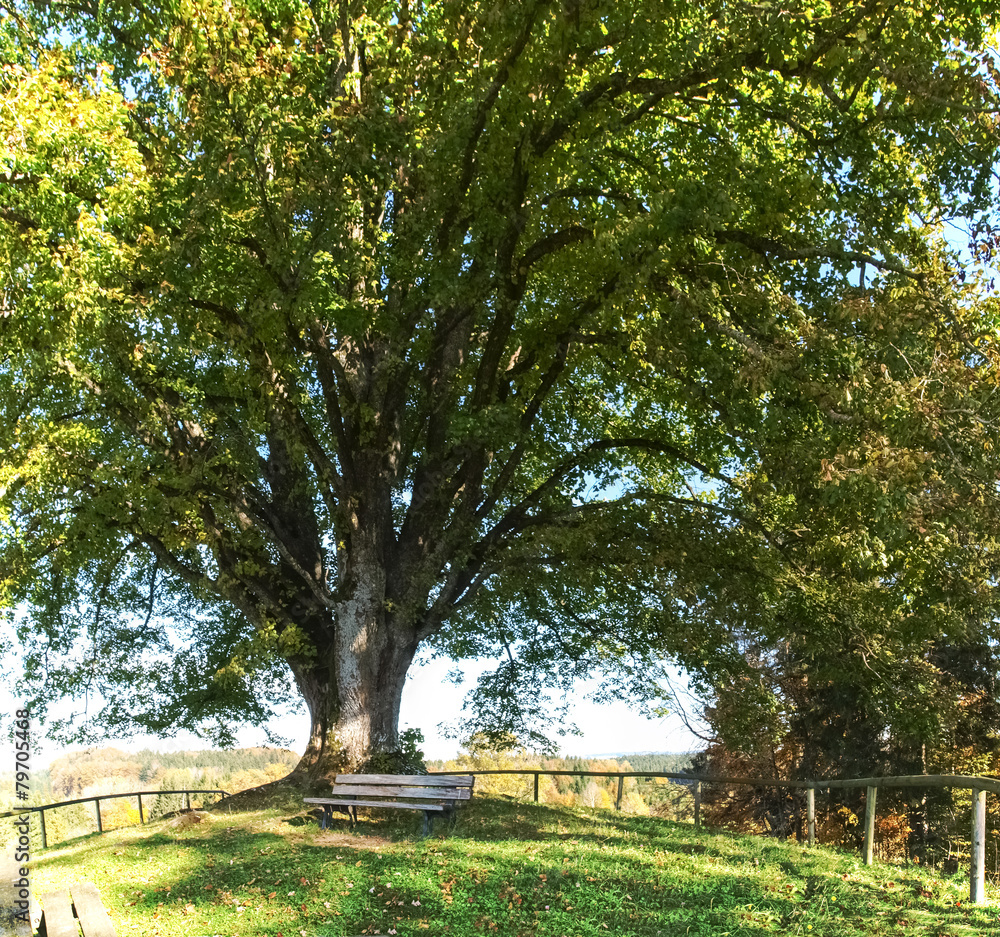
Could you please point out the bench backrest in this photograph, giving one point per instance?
(411, 786)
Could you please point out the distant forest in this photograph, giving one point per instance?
(661, 797)
(661, 761)
(112, 771)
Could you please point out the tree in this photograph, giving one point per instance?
(881, 659)
(331, 331)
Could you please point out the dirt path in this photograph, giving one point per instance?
(9, 925)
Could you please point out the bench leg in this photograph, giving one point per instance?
(326, 819)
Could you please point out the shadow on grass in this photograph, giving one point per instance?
(507, 869)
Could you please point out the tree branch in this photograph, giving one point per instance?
(765, 246)
(575, 234)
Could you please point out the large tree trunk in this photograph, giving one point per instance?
(353, 686)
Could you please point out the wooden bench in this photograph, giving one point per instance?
(58, 910)
(435, 795)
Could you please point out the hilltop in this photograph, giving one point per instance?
(509, 869)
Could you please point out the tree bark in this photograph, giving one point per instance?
(354, 684)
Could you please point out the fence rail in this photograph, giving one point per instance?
(96, 800)
(978, 785)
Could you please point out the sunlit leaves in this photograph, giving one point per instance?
(542, 308)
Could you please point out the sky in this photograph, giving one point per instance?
(430, 699)
(607, 728)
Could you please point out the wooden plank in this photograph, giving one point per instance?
(373, 803)
(413, 780)
(920, 780)
(430, 793)
(977, 868)
(811, 814)
(870, 798)
(57, 915)
(94, 920)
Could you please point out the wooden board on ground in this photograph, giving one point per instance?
(94, 920)
(57, 915)
(58, 919)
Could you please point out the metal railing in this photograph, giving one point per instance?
(96, 799)
(978, 785)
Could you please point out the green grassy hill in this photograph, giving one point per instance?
(510, 869)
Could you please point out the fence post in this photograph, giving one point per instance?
(870, 825)
(45, 840)
(97, 804)
(977, 867)
(536, 786)
(811, 814)
(187, 794)
(142, 819)
(697, 803)
(621, 782)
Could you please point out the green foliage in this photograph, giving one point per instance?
(849, 728)
(409, 759)
(661, 761)
(580, 335)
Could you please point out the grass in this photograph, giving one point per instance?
(508, 869)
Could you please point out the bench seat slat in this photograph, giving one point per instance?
(332, 801)
(416, 780)
(431, 793)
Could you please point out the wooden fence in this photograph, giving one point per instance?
(979, 787)
(96, 799)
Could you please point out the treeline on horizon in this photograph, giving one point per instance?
(111, 771)
(102, 771)
(666, 762)
(108, 770)
(661, 797)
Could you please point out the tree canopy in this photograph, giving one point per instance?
(544, 330)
